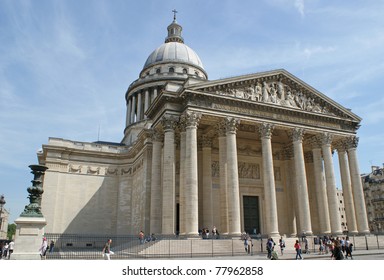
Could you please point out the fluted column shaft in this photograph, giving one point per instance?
(191, 175)
(207, 183)
(139, 106)
(133, 109)
(156, 196)
(301, 182)
(182, 197)
(128, 117)
(333, 202)
(168, 221)
(271, 217)
(347, 191)
(223, 179)
(234, 224)
(357, 187)
(321, 191)
(146, 102)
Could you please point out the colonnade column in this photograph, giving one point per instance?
(133, 109)
(128, 117)
(347, 188)
(358, 194)
(272, 228)
(333, 203)
(221, 128)
(191, 175)
(182, 176)
(139, 107)
(146, 102)
(156, 196)
(234, 225)
(301, 182)
(168, 207)
(207, 182)
(320, 188)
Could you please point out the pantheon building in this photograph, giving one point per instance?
(254, 153)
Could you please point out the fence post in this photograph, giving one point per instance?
(366, 241)
(377, 240)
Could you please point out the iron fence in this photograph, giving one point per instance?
(85, 246)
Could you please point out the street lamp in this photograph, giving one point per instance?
(2, 202)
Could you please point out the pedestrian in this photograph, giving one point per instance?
(51, 246)
(43, 248)
(337, 253)
(246, 243)
(282, 245)
(214, 232)
(250, 245)
(5, 250)
(10, 249)
(297, 247)
(107, 250)
(141, 237)
(270, 247)
(348, 248)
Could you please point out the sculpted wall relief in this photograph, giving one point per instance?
(276, 92)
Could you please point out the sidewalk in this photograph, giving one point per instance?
(291, 255)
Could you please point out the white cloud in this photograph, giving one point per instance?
(299, 5)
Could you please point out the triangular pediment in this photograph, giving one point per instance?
(276, 88)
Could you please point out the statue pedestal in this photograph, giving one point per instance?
(29, 237)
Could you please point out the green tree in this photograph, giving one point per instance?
(11, 231)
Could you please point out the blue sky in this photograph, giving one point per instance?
(66, 65)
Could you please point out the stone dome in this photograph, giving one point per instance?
(173, 52)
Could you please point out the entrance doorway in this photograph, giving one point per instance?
(251, 214)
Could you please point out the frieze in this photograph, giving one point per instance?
(272, 115)
(246, 170)
(279, 93)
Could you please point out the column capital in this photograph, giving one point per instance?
(231, 125)
(287, 152)
(169, 122)
(206, 141)
(326, 138)
(157, 136)
(315, 142)
(191, 118)
(221, 128)
(351, 142)
(297, 134)
(340, 145)
(265, 130)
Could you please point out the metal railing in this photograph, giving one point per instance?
(85, 246)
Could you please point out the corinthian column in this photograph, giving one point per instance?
(156, 196)
(301, 182)
(333, 202)
(207, 183)
(234, 225)
(191, 176)
(139, 107)
(223, 179)
(168, 221)
(146, 101)
(272, 228)
(128, 117)
(320, 188)
(347, 189)
(182, 176)
(133, 109)
(358, 194)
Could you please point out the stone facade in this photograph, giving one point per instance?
(373, 184)
(252, 152)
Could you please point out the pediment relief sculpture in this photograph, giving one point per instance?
(279, 93)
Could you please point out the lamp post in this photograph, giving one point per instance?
(2, 202)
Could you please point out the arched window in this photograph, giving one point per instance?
(185, 71)
(171, 70)
(158, 71)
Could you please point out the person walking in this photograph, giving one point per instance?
(141, 237)
(348, 248)
(282, 245)
(297, 247)
(10, 249)
(43, 248)
(107, 250)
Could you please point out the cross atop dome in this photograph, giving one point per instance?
(174, 31)
(174, 11)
